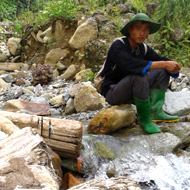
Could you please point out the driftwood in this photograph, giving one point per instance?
(26, 162)
(116, 183)
(63, 136)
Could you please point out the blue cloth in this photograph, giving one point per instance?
(176, 75)
(145, 70)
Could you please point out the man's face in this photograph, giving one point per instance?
(139, 31)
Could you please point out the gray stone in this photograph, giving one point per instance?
(177, 103)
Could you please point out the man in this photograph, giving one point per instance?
(134, 72)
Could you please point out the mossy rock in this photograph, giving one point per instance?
(104, 151)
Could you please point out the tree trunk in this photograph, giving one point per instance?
(63, 136)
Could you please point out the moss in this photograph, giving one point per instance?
(104, 151)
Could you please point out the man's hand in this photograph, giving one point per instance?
(172, 66)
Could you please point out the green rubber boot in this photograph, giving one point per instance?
(144, 114)
(157, 98)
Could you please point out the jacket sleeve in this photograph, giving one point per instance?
(125, 60)
(153, 56)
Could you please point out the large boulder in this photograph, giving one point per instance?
(84, 33)
(111, 119)
(87, 98)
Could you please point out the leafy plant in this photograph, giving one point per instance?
(90, 76)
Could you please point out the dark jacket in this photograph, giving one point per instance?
(122, 61)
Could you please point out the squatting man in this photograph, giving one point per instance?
(134, 72)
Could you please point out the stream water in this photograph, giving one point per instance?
(137, 161)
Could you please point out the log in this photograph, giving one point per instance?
(63, 136)
(115, 183)
(26, 162)
(10, 66)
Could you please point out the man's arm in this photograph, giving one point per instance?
(170, 66)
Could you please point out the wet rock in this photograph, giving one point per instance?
(111, 119)
(84, 33)
(32, 108)
(87, 98)
(69, 181)
(14, 45)
(104, 151)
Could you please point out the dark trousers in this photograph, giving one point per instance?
(137, 86)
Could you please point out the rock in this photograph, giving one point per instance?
(87, 98)
(14, 45)
(69, 181)
(84, 33)
(57, 101)
(178, 34)
(7, 126)
(54, 56)
(3, 57)
(7, 78)
(177, 103)
(32, 108)
(4, 85)
(151, 7)
(104, 151)
(70, 72)
(60, 66)
(70, 108)
(111, 119)
(74, 90)
(82, 75)
(27, 164)
(116, 183)
(42, 74)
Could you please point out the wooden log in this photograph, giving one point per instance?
(27, 162)
(114, 183)
(63, 136)
(10, 66)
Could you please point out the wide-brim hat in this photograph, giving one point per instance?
(154, 27)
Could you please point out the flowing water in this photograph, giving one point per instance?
(138, 161)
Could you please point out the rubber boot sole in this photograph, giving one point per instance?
(166, 121)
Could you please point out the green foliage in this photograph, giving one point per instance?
(140, 5)
(173, 14)
(57, 8)
(90, 76)
(7, 9)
